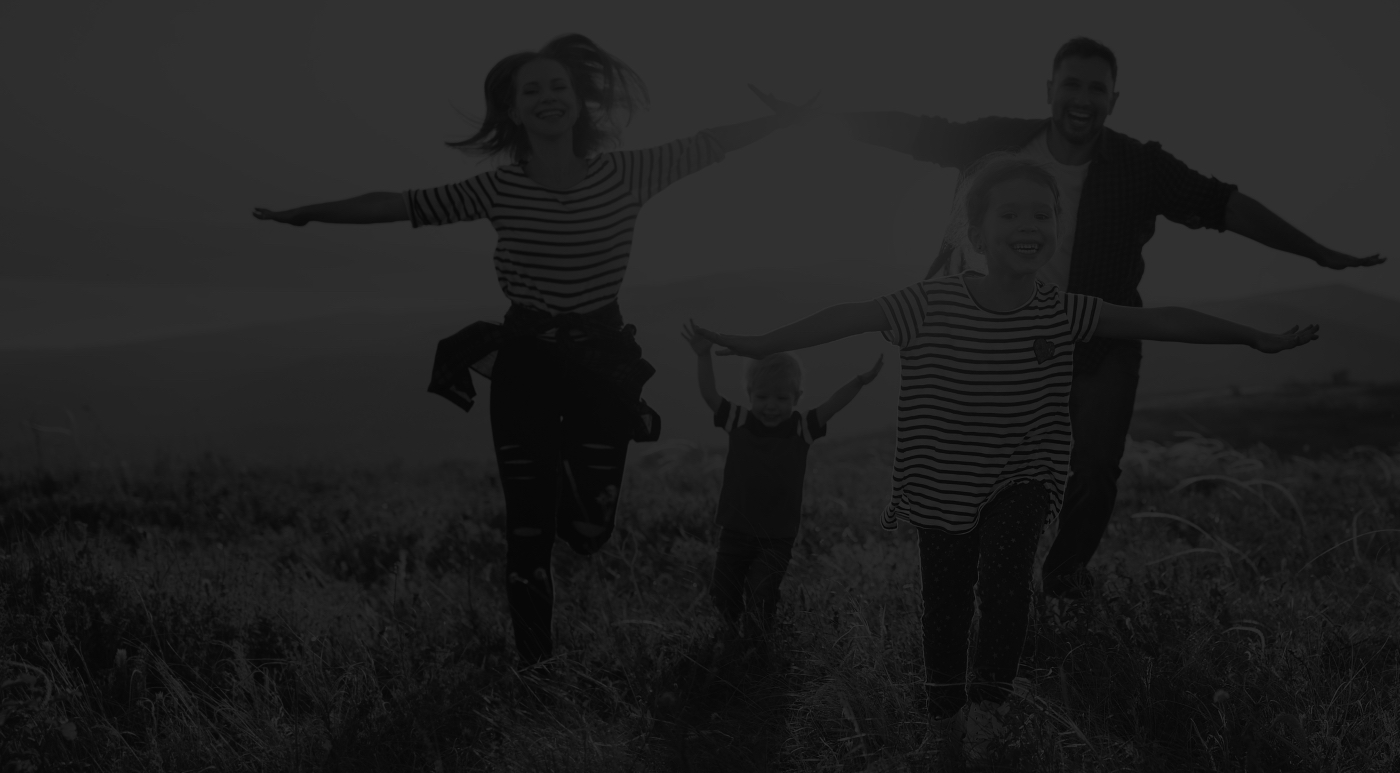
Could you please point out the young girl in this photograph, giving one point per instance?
(983, 439)
(567, 373)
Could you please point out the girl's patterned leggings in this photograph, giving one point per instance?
(996, 559)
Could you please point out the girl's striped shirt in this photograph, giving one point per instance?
(983, 397)
(565, 251)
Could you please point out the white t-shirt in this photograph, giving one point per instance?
(1070, 180)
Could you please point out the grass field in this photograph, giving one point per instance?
(206, 616)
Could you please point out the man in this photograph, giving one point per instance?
(1112, 189)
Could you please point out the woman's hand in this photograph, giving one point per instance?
(869, 375)
(699, 343)
(1288, 339)
(744, 346)
(790, 114)
(288, 216)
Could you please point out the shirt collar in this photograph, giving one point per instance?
(1105, 148)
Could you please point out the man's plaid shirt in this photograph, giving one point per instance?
(1128, 185)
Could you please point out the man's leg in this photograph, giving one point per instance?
(1101, 408)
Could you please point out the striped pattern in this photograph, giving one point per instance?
(565, 251)
(983, 399)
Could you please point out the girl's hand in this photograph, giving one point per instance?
(869, 376)
(744, 346)
(288, 216)
(789, 113)
(698, 342)
(1288, 339)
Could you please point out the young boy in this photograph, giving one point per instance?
(760, 504)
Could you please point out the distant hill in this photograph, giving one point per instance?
(352, 386)
(1360, 335)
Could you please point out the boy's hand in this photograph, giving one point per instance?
(698, 342)
(1288, 339)
(869, 375)
(740, 345)
(288, 216)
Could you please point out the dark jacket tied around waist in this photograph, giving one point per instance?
(597, 341)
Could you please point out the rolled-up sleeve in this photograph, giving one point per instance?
(1183, 195)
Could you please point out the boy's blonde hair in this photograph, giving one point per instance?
(782, 368)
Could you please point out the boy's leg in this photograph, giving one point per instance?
(525, 431)
(1101, 408)
(736, 552)
(596, 426)
(1011, 527)
(764, 583)
(948, 568)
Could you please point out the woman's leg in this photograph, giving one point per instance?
(948, 566)
(525, 430)
(596, 427)
(1011, 526)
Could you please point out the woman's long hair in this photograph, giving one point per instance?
(603, 84)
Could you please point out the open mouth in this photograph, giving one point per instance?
(1080, 118)
(1026, 248)
(549, 115)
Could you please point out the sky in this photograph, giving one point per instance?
(139, 136)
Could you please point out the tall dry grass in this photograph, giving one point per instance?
(208, 616)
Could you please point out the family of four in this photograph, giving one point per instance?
(1019, 352)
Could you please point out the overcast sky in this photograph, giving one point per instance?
(138, 137)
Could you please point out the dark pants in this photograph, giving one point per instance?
(561, 437)
(997, 557)
(1100, 408)
(748, 572)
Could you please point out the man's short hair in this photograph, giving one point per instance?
(1086, 48)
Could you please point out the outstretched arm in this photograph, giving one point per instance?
(1171, 323)
(896, 131)
(705, 368)
(843, 396)
(381, 207)
(737, 135)
(1253, 220)
(829, 324)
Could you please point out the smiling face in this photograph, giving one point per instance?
(1017, 235)
(1081, 97)
(773, 399)
(545, 101)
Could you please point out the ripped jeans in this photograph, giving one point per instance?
(561, 435)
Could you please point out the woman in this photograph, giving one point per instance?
(567, 373)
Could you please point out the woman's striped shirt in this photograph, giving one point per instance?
(983, 397)
(565, 251)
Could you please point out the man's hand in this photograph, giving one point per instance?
(1339, 260)
(288, 216)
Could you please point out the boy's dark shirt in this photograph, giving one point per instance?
(764, 471)
(1127, 186)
